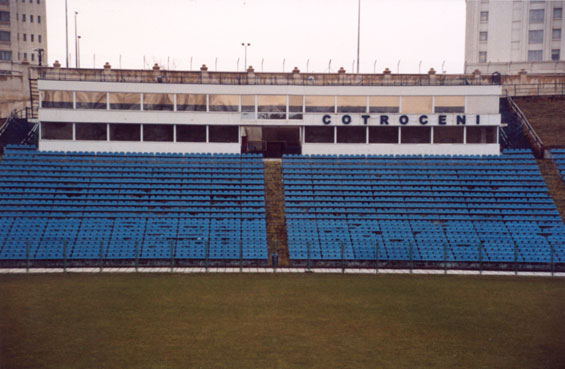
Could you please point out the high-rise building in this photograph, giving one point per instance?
(507, 36)
(23, 31)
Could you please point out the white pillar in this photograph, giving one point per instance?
(465, 135)
(335, 134)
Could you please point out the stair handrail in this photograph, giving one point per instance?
(30, 134)
(525, 122)
(8, 121)
(505, 139)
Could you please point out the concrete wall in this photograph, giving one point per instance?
(101, 146)
(14, 88)
(404, 149)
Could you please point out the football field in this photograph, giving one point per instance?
(280, 321)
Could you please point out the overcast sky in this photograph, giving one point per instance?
(171, 32)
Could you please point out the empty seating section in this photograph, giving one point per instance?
(122, 206)
(558, 156)
(422, 208)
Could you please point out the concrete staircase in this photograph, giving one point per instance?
(554, 184)
(275, 211)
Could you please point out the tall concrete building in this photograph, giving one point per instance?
(23, 31)
(506, 36)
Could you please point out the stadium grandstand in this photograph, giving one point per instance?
(158, 168)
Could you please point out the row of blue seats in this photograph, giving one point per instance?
(56, 205)
(426, 230)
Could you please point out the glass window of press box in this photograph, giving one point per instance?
(158, 102)
(482, 135)
(56, 99)
(271, 107)
(191, 133)
(158, 132)
(223, 134)
(56, 131)
(125, 132)
(91, 131)
(91, 100)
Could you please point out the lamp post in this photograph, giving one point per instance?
(420, 67)
(78, 51)
(66, 33)
(262, 62)
(216, 64)
(245, 44)
(375, 66)
(76, 40)
(358, 34)
(330, 66)
(284, 62)
(307, 65)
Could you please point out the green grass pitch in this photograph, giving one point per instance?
(280, 321)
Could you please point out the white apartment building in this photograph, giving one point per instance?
(23, 31)
(506, 36)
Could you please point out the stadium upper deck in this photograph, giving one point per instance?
(270, 113)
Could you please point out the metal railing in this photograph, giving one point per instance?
(534, 89)
(536, 140)
(476, 258)
(7, 122)
(244, 78)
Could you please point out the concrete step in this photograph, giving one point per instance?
(275, 211)
(554, 184)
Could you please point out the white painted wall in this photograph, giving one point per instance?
(404, 149)
(122, 146)
(477, 90)
(155, 117)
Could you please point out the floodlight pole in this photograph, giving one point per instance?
(76, 40)
(78, 52)
(66, 33)
(245, 44)
(358, 34)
